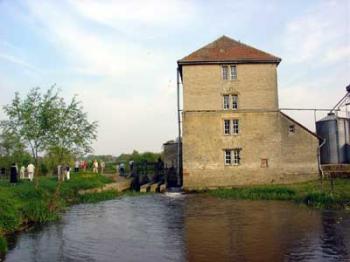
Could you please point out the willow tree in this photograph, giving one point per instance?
(45, 122)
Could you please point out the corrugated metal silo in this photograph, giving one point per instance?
(336, 132)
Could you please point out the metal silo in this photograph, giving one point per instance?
(336, 132)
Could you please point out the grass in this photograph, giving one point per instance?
(22, 204)
(310, 193)
(3, 245)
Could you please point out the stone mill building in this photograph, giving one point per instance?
(233, 132)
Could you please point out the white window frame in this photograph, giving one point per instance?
(226, 103)
(227, 127)
(235, 126)
(234, 101)
(233, 72)
(236, 159)
(228, 157)
(225, 72)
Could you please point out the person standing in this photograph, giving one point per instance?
(67, 172)
(13, 173)
(30, 170)
(85, 165)
(95, 167)
(122, 169)
(22, 172)
(103, 165)
(76, 166)
(131, 166)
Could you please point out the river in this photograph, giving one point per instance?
(194, 227)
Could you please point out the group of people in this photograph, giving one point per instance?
(98, 166)
(24, 172)
(63, 170)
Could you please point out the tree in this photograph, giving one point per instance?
(30, 119)
(73, 133)
(44, 122)
(12, 150)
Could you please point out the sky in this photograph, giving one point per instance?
(120, 57)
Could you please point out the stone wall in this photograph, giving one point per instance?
(256, 86)
(264, 131)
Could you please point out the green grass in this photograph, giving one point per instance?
(3, 245)
(22, 204)
(310, 193)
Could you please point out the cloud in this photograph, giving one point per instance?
(18, 61)
(317, 32)
(154, 13)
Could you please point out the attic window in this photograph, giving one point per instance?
(291, 129)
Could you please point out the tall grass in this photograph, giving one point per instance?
(3, 246)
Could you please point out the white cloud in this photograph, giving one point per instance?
(337, 54)
(18, 61)
(153, 12)
(316, 33)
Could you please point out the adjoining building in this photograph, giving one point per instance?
(232, 130)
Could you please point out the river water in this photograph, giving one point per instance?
(188, 228)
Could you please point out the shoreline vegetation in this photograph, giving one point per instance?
(23, 205)
(311, 193)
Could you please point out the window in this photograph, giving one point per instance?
(226, 102)
(236, 156)
(230, 100)
(235, 126)
(232, 156)
(224, 72)
(235, 102)
(264, 163)
(233, 72)
(227, 127)
(291, 129)
(227, 157)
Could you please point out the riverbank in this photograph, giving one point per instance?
(310, 193)
(22, 205)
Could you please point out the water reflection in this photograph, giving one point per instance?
(193, 228)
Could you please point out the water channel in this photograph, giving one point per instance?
(188, 228)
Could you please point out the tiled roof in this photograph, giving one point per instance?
(226, 49)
